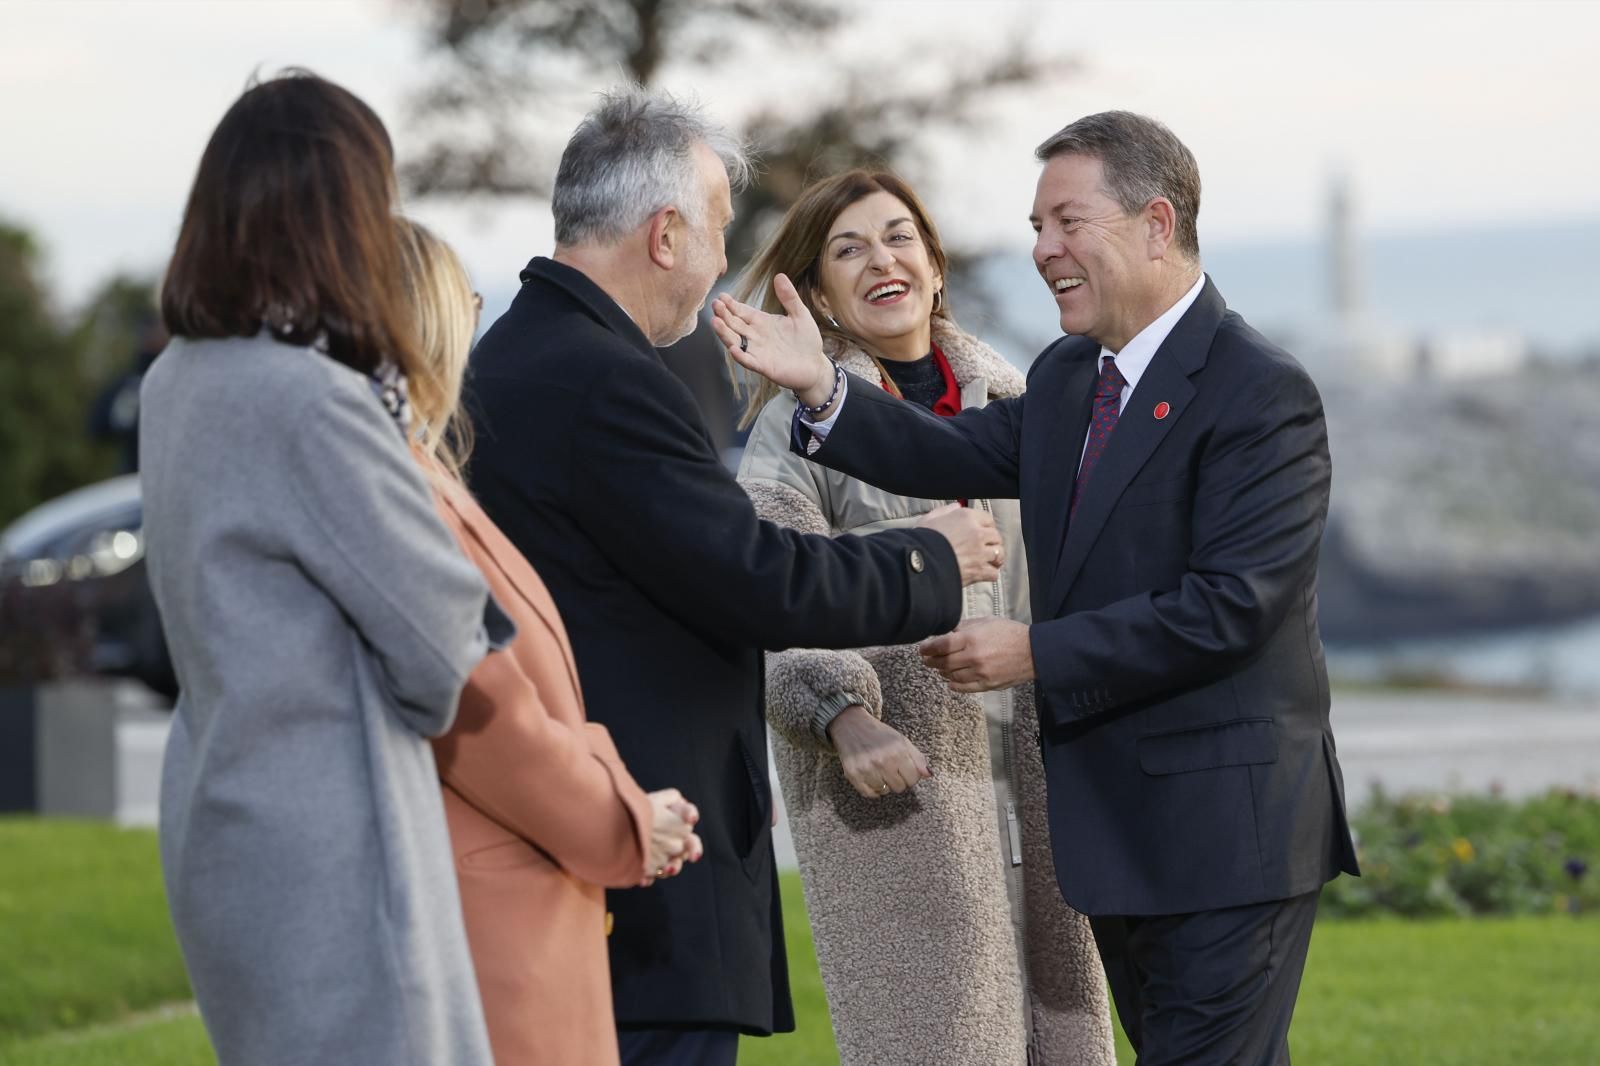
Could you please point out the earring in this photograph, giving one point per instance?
(834, 322)
(938, 301)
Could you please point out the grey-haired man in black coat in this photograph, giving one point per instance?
(595, 461)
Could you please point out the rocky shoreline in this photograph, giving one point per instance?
(1462, 506)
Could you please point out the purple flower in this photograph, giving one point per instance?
(1576, 868)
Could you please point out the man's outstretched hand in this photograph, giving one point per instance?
(982, 654)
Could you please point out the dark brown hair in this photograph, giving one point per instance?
(290, 226)
(796, 250)
(1141, 160)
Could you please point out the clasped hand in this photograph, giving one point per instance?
(673, 841)
(981, 655)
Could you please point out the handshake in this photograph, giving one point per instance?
(977, 656)
(973, 536)
(980, 654)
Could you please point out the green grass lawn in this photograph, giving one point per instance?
(84, 932)
(89, 975)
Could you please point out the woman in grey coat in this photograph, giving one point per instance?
(918, 813)
(320, 617)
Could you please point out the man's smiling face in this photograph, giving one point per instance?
(1093, 255)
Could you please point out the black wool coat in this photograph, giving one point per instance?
(595, 461)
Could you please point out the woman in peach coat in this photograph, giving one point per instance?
(543, 816)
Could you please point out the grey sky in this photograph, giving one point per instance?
(1442, 113)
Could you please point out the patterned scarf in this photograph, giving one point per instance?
(389, 386)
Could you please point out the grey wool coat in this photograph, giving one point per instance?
(322, 623)
(911, 896)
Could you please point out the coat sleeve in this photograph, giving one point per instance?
(1261, 503)
(367, 533)
(649, 489)
(786, 490)
(908, 450)
(559, 786)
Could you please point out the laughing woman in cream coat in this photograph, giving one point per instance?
(918, 813)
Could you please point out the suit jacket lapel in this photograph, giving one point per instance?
(1063, 445)
(1139, 432)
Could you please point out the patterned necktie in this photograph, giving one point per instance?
(1107, 402)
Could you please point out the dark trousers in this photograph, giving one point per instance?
(1210, 988)
(678, 1047)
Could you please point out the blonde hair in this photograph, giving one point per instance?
(445, 317)
(796, 249)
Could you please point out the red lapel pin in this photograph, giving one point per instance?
(1163, 409)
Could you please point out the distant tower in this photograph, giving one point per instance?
(1354, 345)
(1344, 283)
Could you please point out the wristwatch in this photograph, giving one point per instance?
(829, 709)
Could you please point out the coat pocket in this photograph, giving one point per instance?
(757, 801)
(1241, 742)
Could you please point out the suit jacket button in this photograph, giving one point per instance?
(917, 564)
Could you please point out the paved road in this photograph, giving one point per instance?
(1407, 741)
(1415, 742)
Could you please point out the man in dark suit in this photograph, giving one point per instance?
(1173, 470)
(595, 461)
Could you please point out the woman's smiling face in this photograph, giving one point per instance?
(877, 278)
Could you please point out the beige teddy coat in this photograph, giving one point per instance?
(907, 894)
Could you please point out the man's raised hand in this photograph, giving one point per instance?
(786, 348)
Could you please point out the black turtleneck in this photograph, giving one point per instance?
(918, 381)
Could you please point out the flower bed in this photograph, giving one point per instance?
(1426, 856)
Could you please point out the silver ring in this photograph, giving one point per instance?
(883, 788)
(744, 343)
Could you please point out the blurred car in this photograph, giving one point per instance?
(74, 599)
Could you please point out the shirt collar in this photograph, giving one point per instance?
(1136, 354)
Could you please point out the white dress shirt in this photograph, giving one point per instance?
(1134, 359)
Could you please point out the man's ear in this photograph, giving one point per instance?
(1161, 226)
(665, 239)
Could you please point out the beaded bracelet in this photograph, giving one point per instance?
(838, 383)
